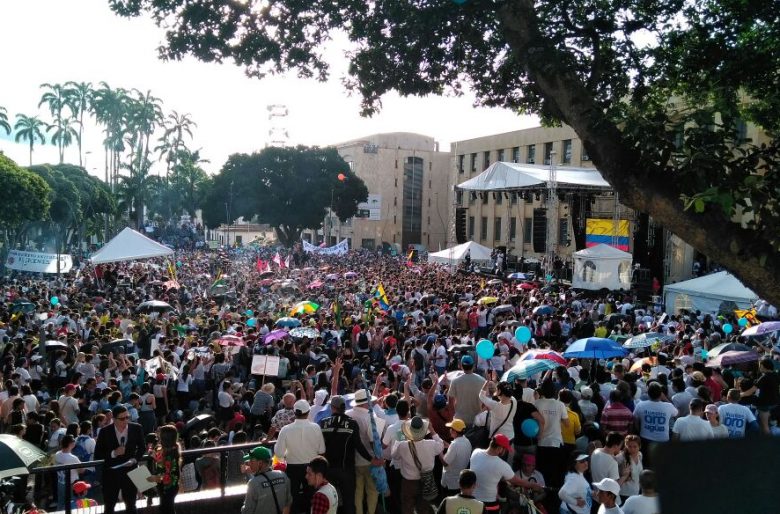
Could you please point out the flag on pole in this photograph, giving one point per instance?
(381, 297)
(336, 309)
(218, 279)
(409, 261)
(278, 260)
(482, 284)
(259, 266)
(171, 270)
(287, 261)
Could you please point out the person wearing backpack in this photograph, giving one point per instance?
(85, 449)
(420, 359)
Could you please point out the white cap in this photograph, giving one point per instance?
(609, 485)
(302, 406)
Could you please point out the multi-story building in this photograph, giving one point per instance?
(408, 203)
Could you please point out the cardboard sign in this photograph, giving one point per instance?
(267, 365)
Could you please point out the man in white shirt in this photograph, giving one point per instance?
(364, 484)
(735, 417)
(692, 427)
(603, 463)
(457, 457)
(647, 502)
(299, 443)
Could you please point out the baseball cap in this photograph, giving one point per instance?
(457, 425)
(581, 457)
(467, 360)
(586, 392)
(80, 487)
(302, 406)
(502, 441)
(258, 453)
(439, 401)
(69, 388)
(609, 485)
(698, 376)
(711, 409)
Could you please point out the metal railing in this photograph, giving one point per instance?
(223, 451)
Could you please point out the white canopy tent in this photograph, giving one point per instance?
(129, 245)
(508, 176)
(708, 294)
(602, 267)
(455, 255)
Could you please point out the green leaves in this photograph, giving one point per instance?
(24, 196)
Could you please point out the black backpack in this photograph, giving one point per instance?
(363, 341)
(419, 360)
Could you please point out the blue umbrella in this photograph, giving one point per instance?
(544, 310)
(288, 322)
(524, 370)
(517, 276)
(594, 348)
(645, 340)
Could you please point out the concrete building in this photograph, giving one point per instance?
(408, 182)
(508, 220)
(241, 234)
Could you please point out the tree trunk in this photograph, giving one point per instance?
(288, 235)
(747, 256)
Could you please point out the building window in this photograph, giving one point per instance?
(548, 149)
(395, 201)
(429, 201)
(461, 158)
(395, 220)
(516, 154)
(368, 244)
(566, 152)
(497, 229)
(471, 227)
(484, 198)
(473, 164)
(742, 131)
(528, 227)
(514, 196)
(499, 198)
(585, 156)
(459, 198)
(512, 228)
(483, 228)
(530, 156)
(396, 182)
(486, 159)
(413, 185)
(472, 198)
(500, 156)
(563, 231)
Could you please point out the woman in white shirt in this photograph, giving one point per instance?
(631, 457)
(502, 411)
(575, 494)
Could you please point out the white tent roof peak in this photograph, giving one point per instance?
(603, 251)
(507, 176)
(457, 253)
(715, 285)
(129, 245)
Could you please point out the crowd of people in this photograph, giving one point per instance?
(380, 402)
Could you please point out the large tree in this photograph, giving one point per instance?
(24, 198)
(4, 120)
(29, 128)
(288, 188)
(656, 89)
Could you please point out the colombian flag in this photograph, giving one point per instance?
(605, 231)
(379, 294)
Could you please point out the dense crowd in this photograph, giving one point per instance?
(381, 402)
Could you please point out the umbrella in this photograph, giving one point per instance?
(350, 274)
(301, 332)
(23, 306)
(17, 455)
(219, 290)
(267, 282)
(732, 357)
(430, 298)
(503, 308)
(645, 340)
(171, 284)
(495, 282)
(511, 323)
(544, 355)
(449, 377)
(316, 284)
(594, 348)
(231, 341)
(620, 338)
(526, 286)
(544, 310)
(524, 370)
(517, 276)
(487, 300)
(54, 344)
(275, 335)
(304, 308)
(331, 277)
(265, 274)
(288, 322)
(197, 423)
(762, 328)
(728, 347)
(116, 346)
(637, 366)
(154, 306)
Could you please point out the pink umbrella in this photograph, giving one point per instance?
(231, 341)
(316, 284)
(544, 354)
(266, 282)
(526, 286)
(275, 335)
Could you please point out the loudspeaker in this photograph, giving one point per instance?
(540, 230)
(461, 235)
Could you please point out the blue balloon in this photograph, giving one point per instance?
(178, 264)
(251, 322)
(523, 334)
(530, 428)
(704, 354)
(485, 349)
(55, 300)
(727, 328)
(743, 322)
(250, 313)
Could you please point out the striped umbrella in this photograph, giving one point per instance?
(594, 348)
(304, 308)
(762, 328)
(524, 370)
(544, 355)
(645, 340)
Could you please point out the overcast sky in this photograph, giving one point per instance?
(82, 40)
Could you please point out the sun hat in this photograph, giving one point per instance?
(457, 425)
(361, 397)
(609, 485)
(258, 453)
(415, 428)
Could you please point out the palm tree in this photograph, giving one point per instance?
(79, 95)
(189, 179)
(110, 107)
(172, 141)
(135, 190)
(28, 128)
(64, 134)
(57, 99)
(4, 121)
(144, 116)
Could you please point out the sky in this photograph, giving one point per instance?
(56, 41)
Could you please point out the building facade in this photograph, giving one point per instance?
(408, 182)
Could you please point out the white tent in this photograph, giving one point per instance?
(602, 267)
(708, 293)
(129, 245)
(507, 176)
(454, 256)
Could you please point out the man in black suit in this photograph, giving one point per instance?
(119, 443)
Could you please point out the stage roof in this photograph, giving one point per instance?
(510, 176)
